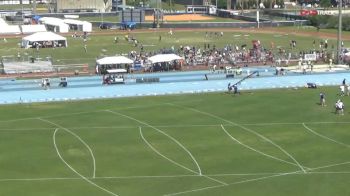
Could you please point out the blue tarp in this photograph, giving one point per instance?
(36, 18)
(128, 25)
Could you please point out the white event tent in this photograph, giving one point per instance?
(28, 29)
(79, 25)
(8, 29)
(54, 24)
(112, 63)
(112, 60)
(45, 39)
(159, 58)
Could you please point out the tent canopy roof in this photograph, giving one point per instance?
(114, 60)
(164, 58)
(44, 36)
(75, 22)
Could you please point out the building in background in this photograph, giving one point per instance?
(82, 5)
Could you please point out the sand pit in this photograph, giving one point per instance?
(182, 17)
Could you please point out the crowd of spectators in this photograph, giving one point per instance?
(253, 52)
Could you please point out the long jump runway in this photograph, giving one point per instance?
(90, 87)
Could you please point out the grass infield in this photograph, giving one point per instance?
(102, 43)
(270, 142)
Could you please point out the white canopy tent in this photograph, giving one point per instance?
(42, 38)
(79, 25)
(27, 29)
(114, 60)
(159, 58)
(9, 29)
(112, 63)
(55, 24)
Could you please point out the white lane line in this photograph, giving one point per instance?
(253, 149)
(325, 137)
(239, 182)
(174, 162)
(168, 176)
(160, 131)
(180, 126)
(328, 166)
(95, 111)
(71, 168)
(81, 140)
(249, 130)
(262, 178)
(52, 116)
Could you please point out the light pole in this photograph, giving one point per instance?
(257, 12)
(339, 52)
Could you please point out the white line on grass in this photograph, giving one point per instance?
(272, 176)
(247, 129)
(174, 162)
(93, 111)
(176, 125)
(255, 150)
(328, 166)
(81, 140)
(162, 132)
(70, 167)
(325, 137)
(168, 176)
(239, 182)
(58, 115)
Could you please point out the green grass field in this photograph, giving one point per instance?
(99, 45)
(266, 143)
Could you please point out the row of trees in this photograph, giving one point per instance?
(329, 22)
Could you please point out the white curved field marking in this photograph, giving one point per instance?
(174, 162)
(81, 140)
(325, 137)
(71, 168)
(160, 131)
(253, 149)
(249, 130)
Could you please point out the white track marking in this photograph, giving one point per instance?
(81, 140)
(71, 168)
(57, 115)
(160, 131)
(239, 182)
(169, 176)
(253, 149)
(266, 177)
(174, 162)
(328, 166)
(325, 137)
(93, 111)
(249, 130)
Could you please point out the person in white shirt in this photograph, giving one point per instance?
(339, 107)
(342, 90)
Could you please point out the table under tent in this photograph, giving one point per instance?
(165, 62)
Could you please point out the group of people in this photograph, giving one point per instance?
(339, 104)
